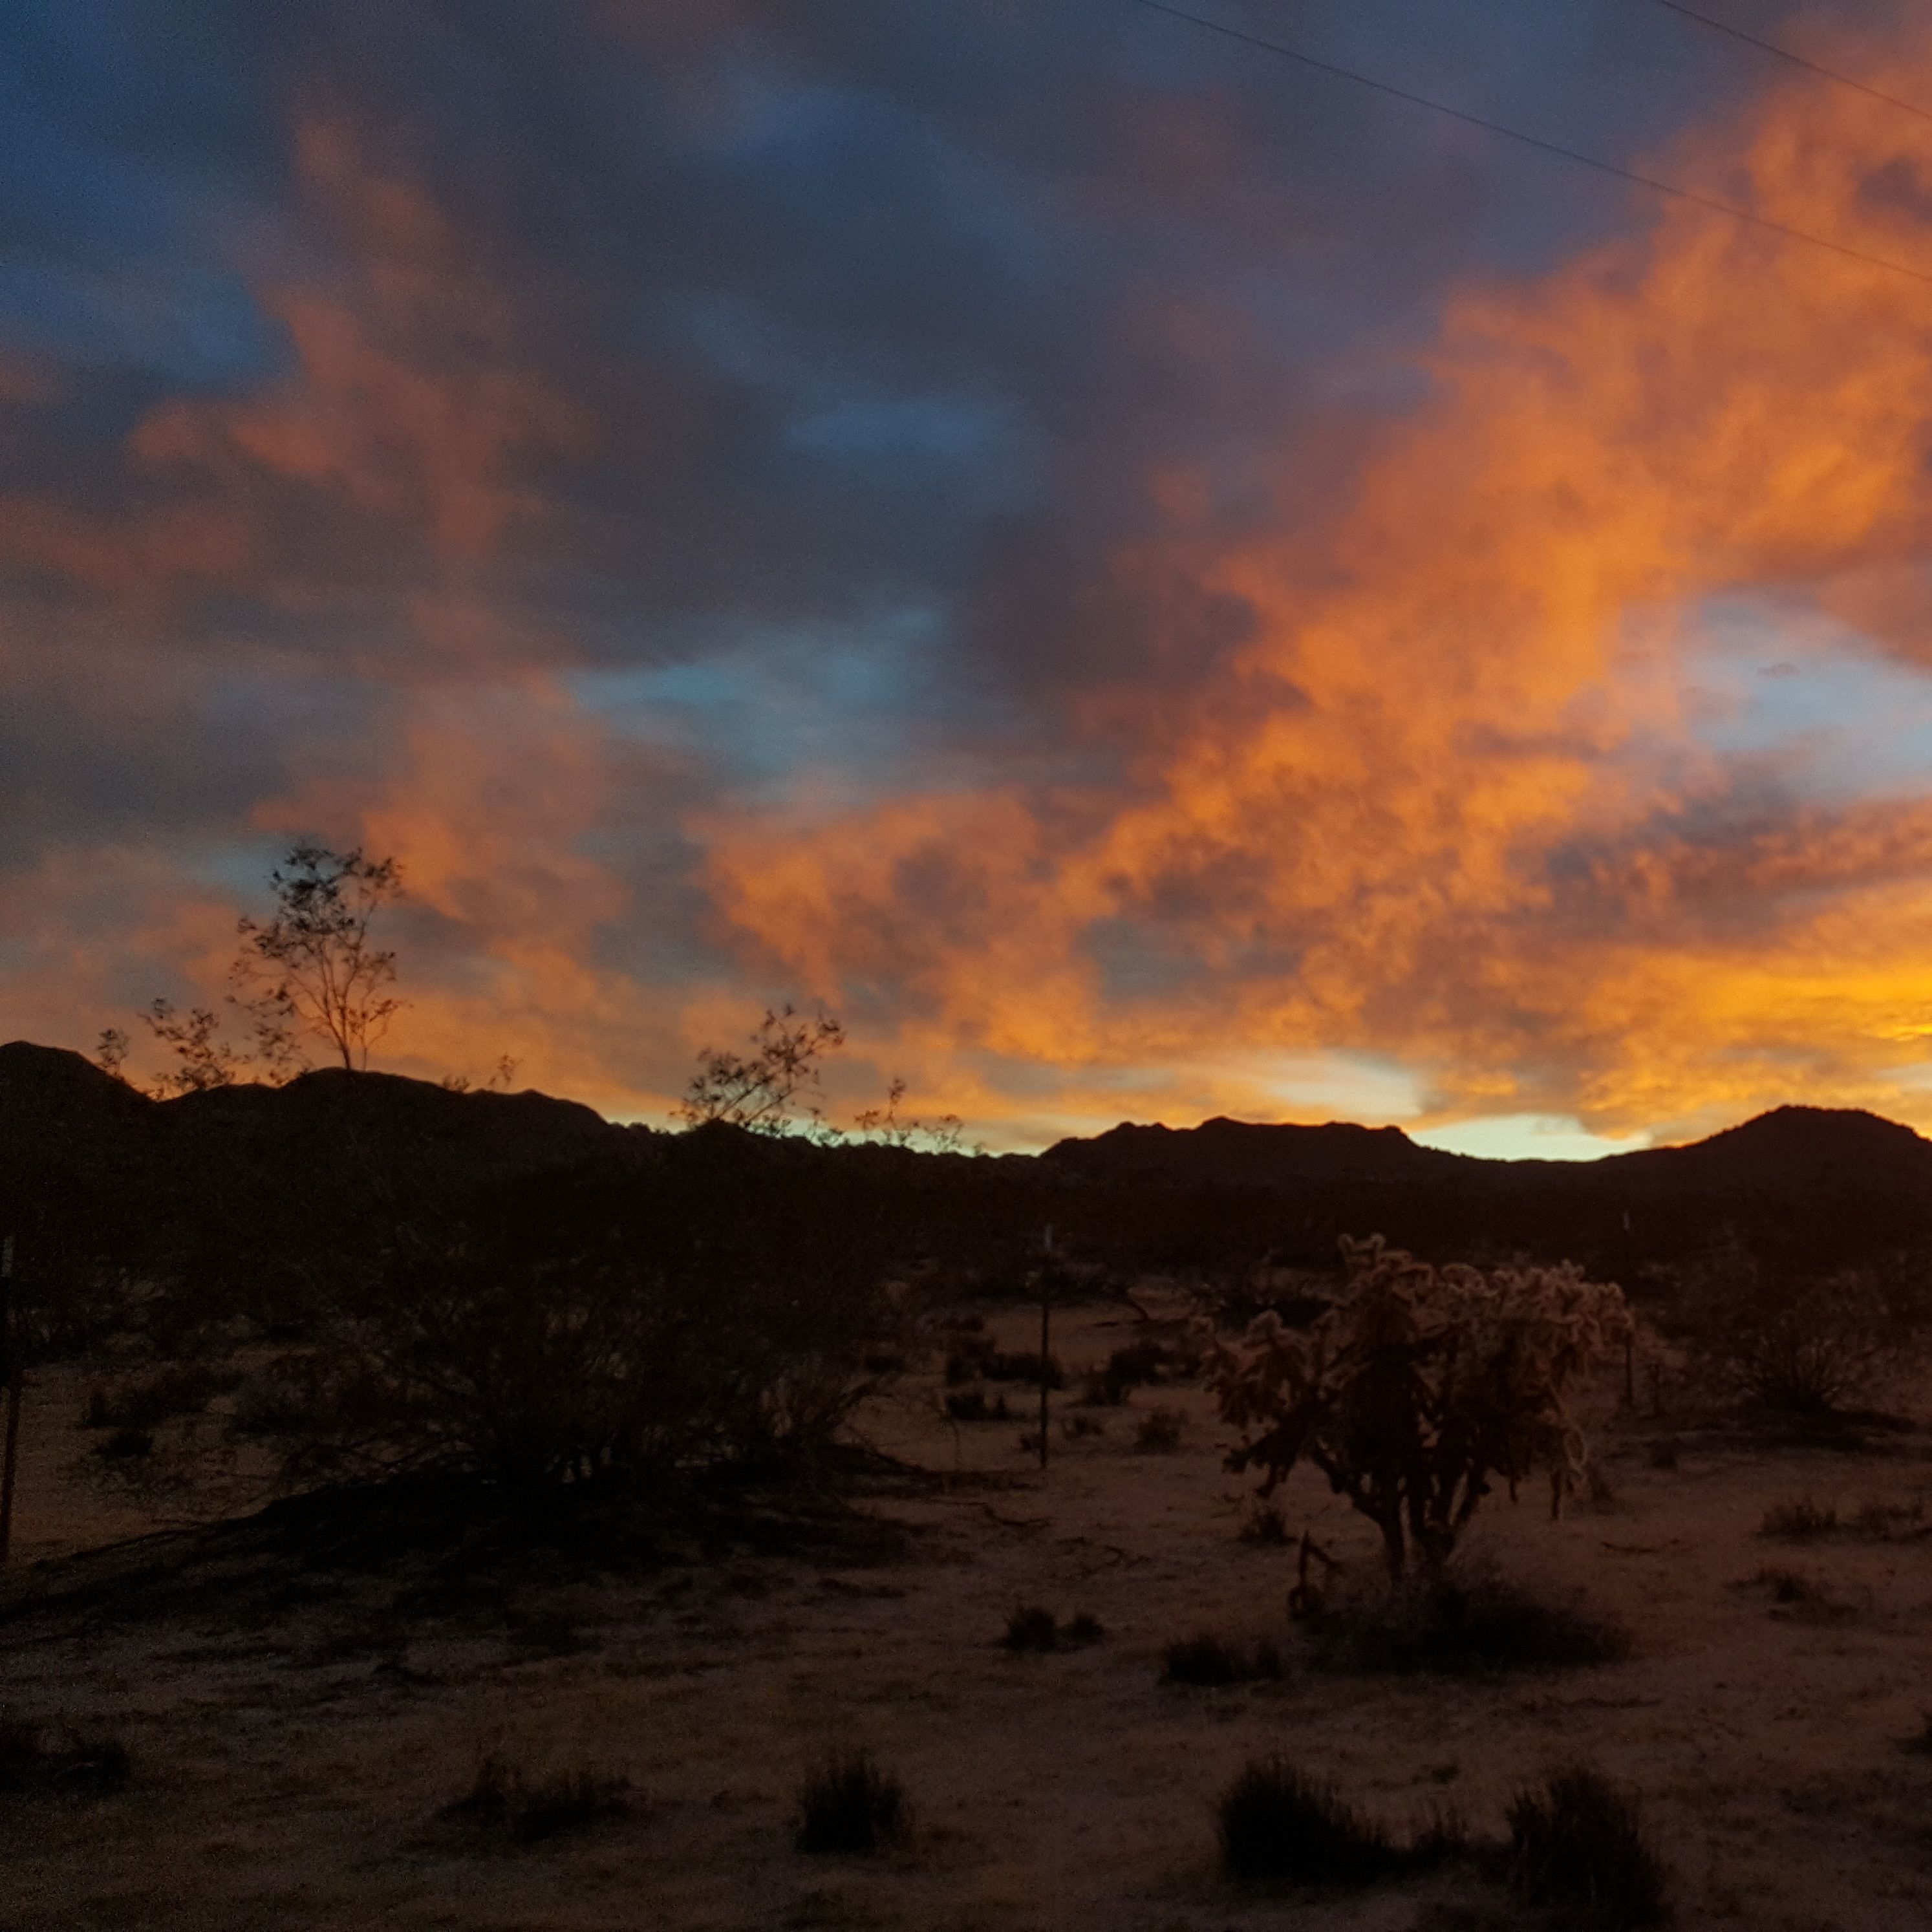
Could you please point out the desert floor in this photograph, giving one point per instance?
(293, 1746)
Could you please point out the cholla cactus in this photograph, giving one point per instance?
(1419, 1387)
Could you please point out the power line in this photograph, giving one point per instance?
(1650, 181)
(1796, 60)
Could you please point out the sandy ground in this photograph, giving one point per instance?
(288, 1776)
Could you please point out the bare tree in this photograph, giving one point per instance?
(768, 1089)
(314, 966)
(887, 1125)
(202, 1058)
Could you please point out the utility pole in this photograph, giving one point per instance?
(9, 1353)
(1046, 1307)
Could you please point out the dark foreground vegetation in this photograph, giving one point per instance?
(353, 1278)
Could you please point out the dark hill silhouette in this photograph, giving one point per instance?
(277, 1192)
(1222, 1150)
(56, 1105)
(1790, 1147)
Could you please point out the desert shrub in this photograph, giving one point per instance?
(963, 1364)
(1073, 1427)
(1158, 1433)
(1921, 1740)
(1796, 1343)
(1029, 1628)
(1264, 1524)
(127, 1445)
(1464, 1620)
(142, 1402)
(1786, 1586)
(849, 1804)
(971, 1405)
(1579, 1844)
(1138, 1363)
(1807, 1599)
(53, 1760)
(1276, 1825)
(1881, 1521)
(1210, 1661)
(549, 1340)
(1662, 1455)
(1800, 1521)
(1418, 1387)
(1098, 1389)
(503, 1803)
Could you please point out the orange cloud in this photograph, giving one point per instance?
(1420, 815)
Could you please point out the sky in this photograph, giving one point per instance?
(1150, 580)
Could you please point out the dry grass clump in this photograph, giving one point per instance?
(1466, 1621)
(1882, 1521)
(1799, 1521)
(1578, 1844)
(53, 1760)
(504, 1803)
(978, 1360)
(1159, 1432)
(1264, 1523)
(1278, 1825)
(1210, 1661)
(971, 1405)
(1793, 1594)
(849, 1804)
(1029, 1627)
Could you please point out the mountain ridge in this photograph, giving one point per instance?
(51, 1091)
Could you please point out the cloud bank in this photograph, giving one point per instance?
(1148, 585)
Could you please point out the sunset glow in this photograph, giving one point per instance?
(1150, 583)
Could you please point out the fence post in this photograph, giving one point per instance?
(1045, 1305)
(9, 1353)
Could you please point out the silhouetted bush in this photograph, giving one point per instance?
(1159, 1432)
(1465, 1620)
(1074, 1426)
(1209, 1661)
(849, 1804)
(1921, 1740)
(1579, 1844)
(52, 1760)
(503, 1803)
(1800, 1521)
(637, 1337)
(1278, 1825)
